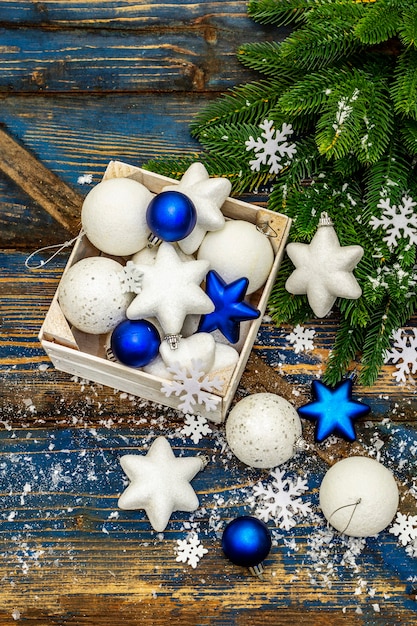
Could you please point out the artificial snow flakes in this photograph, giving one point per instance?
(403, 354)
(271, 147)
(405, 528)
(399, 221)
(301, 338)
(195, 427)
(131, 278)
(190, 550)
(193, 386)
(280, 500)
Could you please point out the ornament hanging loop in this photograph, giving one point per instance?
(345, 506)
(59, 247)
(266, 229)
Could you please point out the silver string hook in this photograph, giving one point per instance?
(60, 247)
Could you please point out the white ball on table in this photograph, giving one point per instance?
(262, 430)
(359, 496)
(113, 216)
(91, 297)
(239, 250)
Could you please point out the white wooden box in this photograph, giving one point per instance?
(84, 355)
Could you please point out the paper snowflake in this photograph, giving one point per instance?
(131, 278)
(399, 222)
(195, 427)
(301, 338)
(271, 148)
(405, 528)
(403, 354)
(193, 386)
(190, 550)
(280, 500)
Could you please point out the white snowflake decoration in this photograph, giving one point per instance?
(405, 528)
(190, 550)
(131, 278)
(271, 147)
(399, 222)
(301, 338)
(193, 386)
(280, 500)
(195, 427)
(403, 354)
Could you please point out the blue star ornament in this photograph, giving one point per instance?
(229, 307)
(333, 410)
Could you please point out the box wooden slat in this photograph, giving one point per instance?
(70, 353)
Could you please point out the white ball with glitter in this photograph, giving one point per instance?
(359, 496)
(262, 430)
(113, 216)
(91, 297)
(239, 250)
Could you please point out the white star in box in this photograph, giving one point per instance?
(195, 427)
(405, 528)
(301, 338)
(208, 195)
(398, 221)
(193, 386)
(271, 148)
(280, 500)
(190, 550)
(403, 354)
(171, 290)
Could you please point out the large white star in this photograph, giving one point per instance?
(171, 290)
(160, 483)
(324, 269)
(208, 195)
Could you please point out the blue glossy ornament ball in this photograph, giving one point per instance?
(135, 342)
(246, 541)
(171, 216)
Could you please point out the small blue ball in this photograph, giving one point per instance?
(135, 342)
(171, 216)
(246, 541)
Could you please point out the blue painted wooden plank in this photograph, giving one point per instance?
(48, 480)
(102, 61)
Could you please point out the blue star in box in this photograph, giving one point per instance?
(229, 308)
(334, 410)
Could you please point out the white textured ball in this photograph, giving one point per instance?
(238, 250)
(262, 430)
(91, 297)
(359, 496)
(113, 216)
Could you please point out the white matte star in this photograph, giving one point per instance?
(324, 269)
(171, 290)
(208, 195)
(160, 483)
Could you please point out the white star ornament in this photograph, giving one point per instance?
(208, 195)
(160, 483)
(324, 269)
(171, 290)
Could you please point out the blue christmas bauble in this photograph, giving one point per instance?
(135, 342)
(246, 541)
(171, 216)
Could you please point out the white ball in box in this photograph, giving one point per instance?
(84, 355)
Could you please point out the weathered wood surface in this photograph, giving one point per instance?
(82, 83)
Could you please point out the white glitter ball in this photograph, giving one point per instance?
(262, 430)
(359, 496)
(239, 250)
(113, 216)
(91, 297)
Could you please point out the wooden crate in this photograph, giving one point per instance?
(84, 355)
